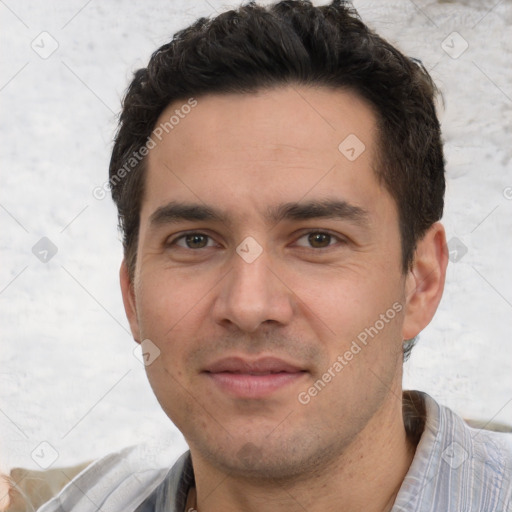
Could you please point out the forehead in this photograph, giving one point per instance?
(265, 148)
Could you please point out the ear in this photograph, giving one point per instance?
(130, 306)
(425, 281)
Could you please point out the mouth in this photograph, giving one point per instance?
(259, 378)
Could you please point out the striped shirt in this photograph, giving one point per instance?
(456, 468)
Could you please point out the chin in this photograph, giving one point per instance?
(269, 459)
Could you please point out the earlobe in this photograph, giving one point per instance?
(130, 305)
(425, 281)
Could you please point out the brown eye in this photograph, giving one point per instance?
(319, 240)
(196, 241)
(192, 241)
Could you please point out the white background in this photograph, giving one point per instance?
(68, 375)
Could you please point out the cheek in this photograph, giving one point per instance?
(166, 318)
(163, 320)
(349, 299)
(173, 313)
(165, 300)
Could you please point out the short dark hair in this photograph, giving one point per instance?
(292, 42)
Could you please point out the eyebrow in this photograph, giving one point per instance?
(175, 212)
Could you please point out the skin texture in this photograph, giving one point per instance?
(302, 300)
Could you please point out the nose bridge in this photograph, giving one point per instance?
(251, 293)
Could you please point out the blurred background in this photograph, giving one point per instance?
(71, 386)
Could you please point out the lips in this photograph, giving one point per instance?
(263, 366)
(243, 378)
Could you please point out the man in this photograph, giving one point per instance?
(279, 178)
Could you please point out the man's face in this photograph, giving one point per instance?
(300, 290)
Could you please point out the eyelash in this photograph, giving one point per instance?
(339, 239)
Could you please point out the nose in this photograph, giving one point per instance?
(253, 293)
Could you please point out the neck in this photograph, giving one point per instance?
(367, 476)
